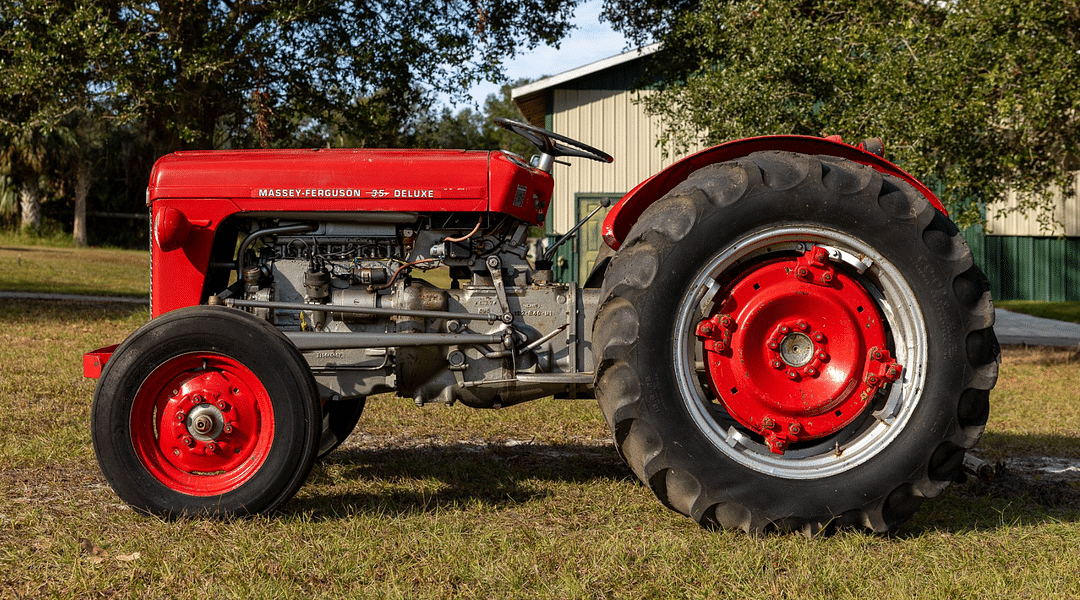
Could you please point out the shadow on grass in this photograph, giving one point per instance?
(52, 311)
(428, 478)
(403, 481)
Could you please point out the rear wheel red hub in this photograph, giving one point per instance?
(795, 350)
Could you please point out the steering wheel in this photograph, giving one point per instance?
(552, 145)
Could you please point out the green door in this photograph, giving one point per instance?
(588, 240)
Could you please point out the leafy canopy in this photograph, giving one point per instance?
(220, 73)
(973, 96)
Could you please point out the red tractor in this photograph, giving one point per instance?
(783, 333)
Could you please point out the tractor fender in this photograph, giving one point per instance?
(623, 215)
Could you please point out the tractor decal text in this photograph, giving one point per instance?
(339, 193)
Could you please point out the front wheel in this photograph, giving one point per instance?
(795, 342)
(206, 411)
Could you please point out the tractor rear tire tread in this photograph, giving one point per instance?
(636, 417)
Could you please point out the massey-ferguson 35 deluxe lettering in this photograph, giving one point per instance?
(783, 332)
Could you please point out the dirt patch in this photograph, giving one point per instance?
(1044, 480)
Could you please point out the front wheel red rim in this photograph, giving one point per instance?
(202, 424)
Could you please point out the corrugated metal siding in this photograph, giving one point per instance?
(1003, 219)
(611, 121)
(1028, 267)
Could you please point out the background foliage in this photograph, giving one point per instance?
(99, 91)
(973, 96)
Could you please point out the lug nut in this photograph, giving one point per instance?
(228, 428)
(221, 404)
(188, 441)
(777, 364)
(773, 345)
(180, 416)
(211, 446)
(792, 374)
(803, 326)
(197, 399)
(818, 337)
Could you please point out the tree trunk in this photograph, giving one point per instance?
(82, 190)
(30, 204)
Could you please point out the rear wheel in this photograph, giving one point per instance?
(795, 342)
(206, 411)
(339, 419)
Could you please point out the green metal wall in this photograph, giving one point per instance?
(1028, 268)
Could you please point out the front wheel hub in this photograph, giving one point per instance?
(803, 351)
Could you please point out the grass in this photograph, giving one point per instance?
(1062, 311)
(530, 501)
(70, 270)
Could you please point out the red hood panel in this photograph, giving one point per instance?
(324, 178)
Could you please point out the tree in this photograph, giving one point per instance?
(471, 130)
(974, 96)
(240, 73)
(177, 74)
(55, 91)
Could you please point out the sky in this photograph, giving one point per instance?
(592, 40)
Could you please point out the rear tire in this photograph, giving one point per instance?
(339, 420)
(206, 411)
(826, 275)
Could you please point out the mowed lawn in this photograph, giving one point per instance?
(529, 501)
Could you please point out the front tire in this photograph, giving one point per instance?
(797, 343)
(206, 411)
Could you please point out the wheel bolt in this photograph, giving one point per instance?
(822, 356)
(818, 337)
(784, 329)
(228, 428)
(188, 441)
(221, 404)
(197, 399)
(802, 326)
(211, 446)
(773, 345)
(777, 364)
(826, 277)
(792, 374)
(180, 416)
(811, 371)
